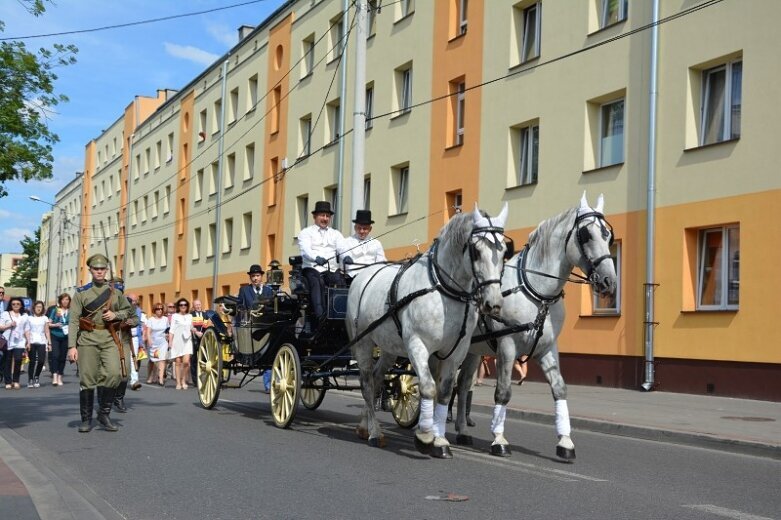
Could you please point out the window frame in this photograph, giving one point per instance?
(595, 298)
(536, 44)
(528, 170)
(463, 19)
(622, 13)
(369, 113)
(727, 107)
(458, 138)
(726, 273)
(603, 128)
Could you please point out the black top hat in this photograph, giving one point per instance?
(363, 216)
(322, 206)
(255, 269)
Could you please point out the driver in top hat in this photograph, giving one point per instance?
(360, 248)
(318, 244)
(255, 289)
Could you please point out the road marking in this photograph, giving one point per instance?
(727, 513)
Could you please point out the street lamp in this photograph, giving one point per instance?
(63, 227)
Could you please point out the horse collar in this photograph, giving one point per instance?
(523, 281)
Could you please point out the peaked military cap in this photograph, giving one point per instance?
(97, 261)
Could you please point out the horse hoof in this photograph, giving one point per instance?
(377, 442)
(422, 447)
(464, 440)
(441, 452)
(500, 450)
(362, 433)
(567, 454)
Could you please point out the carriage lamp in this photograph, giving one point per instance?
(275, 275)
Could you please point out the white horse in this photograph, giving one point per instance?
(533, 286)
(428, 306)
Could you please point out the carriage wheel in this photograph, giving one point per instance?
(405, 406)
(285, 385)
(209, 369)
(313, 393)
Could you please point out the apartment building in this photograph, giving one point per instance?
(526, 102)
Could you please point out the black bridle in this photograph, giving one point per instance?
(583, 235)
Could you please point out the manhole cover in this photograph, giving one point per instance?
(749, 419)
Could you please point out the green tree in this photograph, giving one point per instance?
(26, 274)
(27, 99)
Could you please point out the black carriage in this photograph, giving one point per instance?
(307, 356)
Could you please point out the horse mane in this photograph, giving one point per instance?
(541, 237)
(458, 230)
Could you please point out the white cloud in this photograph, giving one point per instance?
(188, 52)
(223, 34)
(11, 237)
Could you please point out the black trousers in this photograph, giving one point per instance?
(37, 360)
(317, 282)
(12, 357)
(58, 354)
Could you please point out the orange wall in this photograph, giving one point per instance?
(86, 211)
(455, 168)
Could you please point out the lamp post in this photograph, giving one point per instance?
(62, 228)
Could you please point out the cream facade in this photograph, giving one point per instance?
(530, 103)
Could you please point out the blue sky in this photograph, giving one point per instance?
(113, 66)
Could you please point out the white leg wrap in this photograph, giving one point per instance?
(562, 418)
(440, 414)
(497, 423)
(426, 421)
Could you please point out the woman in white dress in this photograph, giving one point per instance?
(156, 342)
(39, 342)
(181, 342)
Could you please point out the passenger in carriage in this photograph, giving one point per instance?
(255, 289)
(360, 248)
(318, 244)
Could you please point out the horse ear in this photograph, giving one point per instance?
(476, 215)
(600, 203)
(501, 218)
(584, 201)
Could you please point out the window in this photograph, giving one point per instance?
(721, 103)
(202, 126)
(213, 171)
(252, 93)
(141, 259)
(400, 189)
(147, 160)
(404, 89)
(132, 267)
(455, 200)
(152, 255)
(227, 236)
(166, 199)
(334, 120)
(718, 273)
(134, 214)
(335, 37)
(331, 194)
(138, 167)
(144, 207)
(110, 191)
(302, 213)
(164, 254)
(196, 254)
(530, 44)
(276, 99)
(305, 135)
(526, 141)
(249, 162)
(458, 106)
(246, 230)
(369, 106)
(158, 154)
(308, 51)
(233, 106)
(462, 16)
(611, 143)
(212, 239)
(406, 8)
(170, 148)
(230, 174)
(610, 304)
(217, 116)
(155, 204)
(367, 192)
(371, 18)
(612, 11)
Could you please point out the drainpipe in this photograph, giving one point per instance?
(650, 233)
(342, 99)
(359, 112)
(218, 202)
(129, 184)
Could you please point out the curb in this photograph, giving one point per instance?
(699, 440)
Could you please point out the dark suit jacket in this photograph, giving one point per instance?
(247, 295)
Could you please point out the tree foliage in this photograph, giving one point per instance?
(27, 99)
(26, 273)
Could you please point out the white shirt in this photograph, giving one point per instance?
(363, 252)
(16, 338)
(37, 329)
(315, 241)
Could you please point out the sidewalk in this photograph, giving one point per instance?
(737, 425)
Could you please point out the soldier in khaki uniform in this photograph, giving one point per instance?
(91, 343)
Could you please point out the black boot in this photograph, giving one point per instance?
(469, 421)
(105, 401)
(450, 405)
(119, 397)
(86, 402)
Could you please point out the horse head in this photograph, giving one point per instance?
(486, 250)
(593, 237)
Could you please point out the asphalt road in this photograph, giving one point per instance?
(174, 460)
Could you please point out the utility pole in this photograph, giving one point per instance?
(359, 110)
